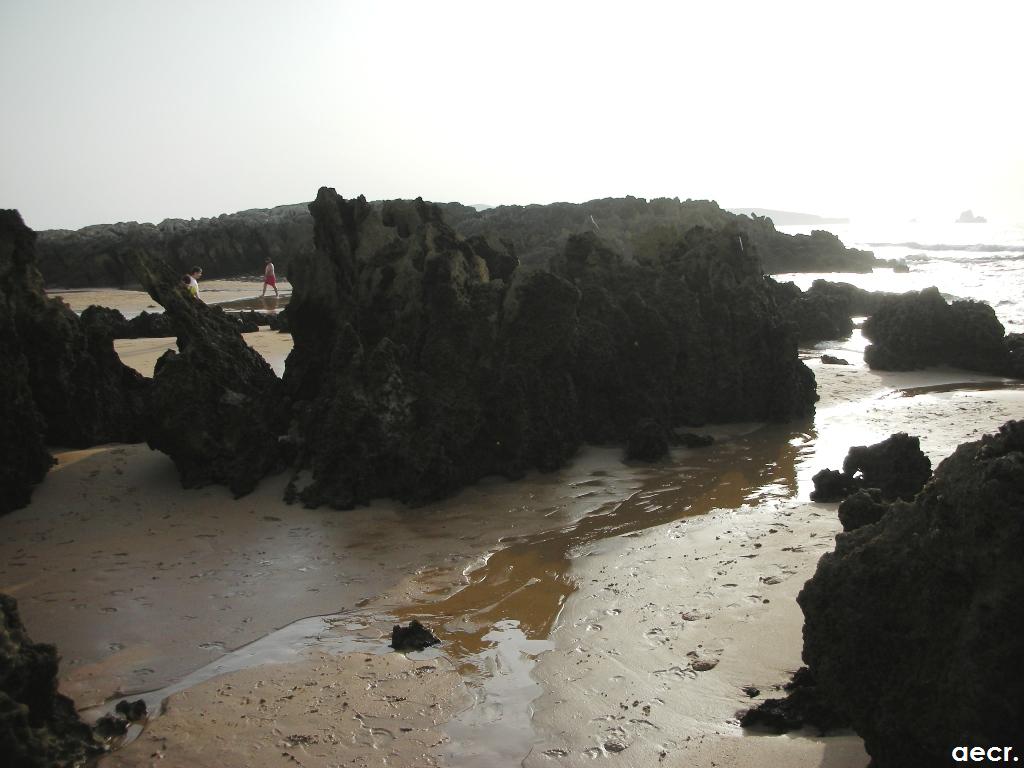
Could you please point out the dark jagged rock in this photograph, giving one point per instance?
(415, 637)
(133, 711)
(62, 382)
(826, 310)
(831, 360)
(1014, 343)
(803, 705)
(39, 728)
(226, 246)
(279, 321)
(896, 466)
(833, 485)
(862, 508)
(647, 442)
(253, 320)
(151, 325)
(414, 373)
(919, 329)
(913, 626)
(211, 404)
(111, 726)
(237, 244)
(105, 321)
(639, 230)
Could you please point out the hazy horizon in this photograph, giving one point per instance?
(138, 112)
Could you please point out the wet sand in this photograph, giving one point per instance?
(600, 611)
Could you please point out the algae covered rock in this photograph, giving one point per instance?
(39, 728)
(415, 372)
(211, 403)
(914, 627)
(919, 329)
(61, 382)
(896, 467)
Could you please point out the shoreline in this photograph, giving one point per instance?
(158, 582)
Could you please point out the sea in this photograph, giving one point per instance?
(984, 262)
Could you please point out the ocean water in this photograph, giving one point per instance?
(964, 261)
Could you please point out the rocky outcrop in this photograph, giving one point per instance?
(968, 217)
(638, 229)
(919, 329)
(236, 244)
(913, 626)
(62, 382)
(211, 404)
(225, 246)
(826, 310)
(415, 372)
(896, 467)
(39, 728)
(862, 508)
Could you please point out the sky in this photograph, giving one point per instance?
(139, 111)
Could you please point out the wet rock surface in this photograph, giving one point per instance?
(896, 467)
(803, 705)
(211, 404)
(920, 329)
(414, 372)
(62, 382)
(862, 508)
(415, 637)
(913, 625)
(826, 310)
(39, 728)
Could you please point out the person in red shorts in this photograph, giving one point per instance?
(269, 278)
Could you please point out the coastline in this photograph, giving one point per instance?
(142, 583)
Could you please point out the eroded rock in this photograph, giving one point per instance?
(39, 728)
(913, 626)
(919, 329)
(414, 372)
(212, 405)
(415, 637)
(61, 382)
(896, 467)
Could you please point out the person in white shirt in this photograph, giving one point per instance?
(193, 281)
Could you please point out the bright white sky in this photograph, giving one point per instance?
(120, 110)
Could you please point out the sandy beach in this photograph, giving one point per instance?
(604, 610)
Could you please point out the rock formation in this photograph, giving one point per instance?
(968, 217)
(826, 310)
(415, 372)
(225, 245)
(919, 329)
(913, 626)
(236, 244)
(862, 508)
(61, 383)
(211, 403)
(896, 467)
(39, 728)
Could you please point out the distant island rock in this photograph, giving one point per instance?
(237, 244)
(968, 217)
